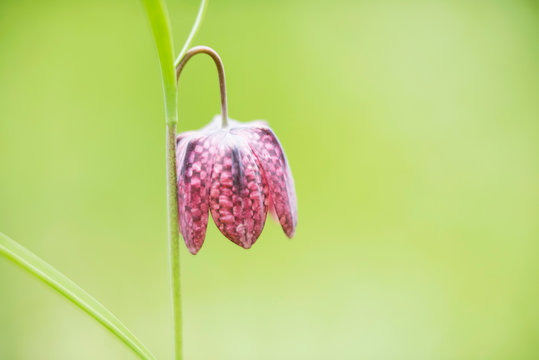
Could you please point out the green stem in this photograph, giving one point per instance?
(71, 291)
(160, 25)
(174, 239)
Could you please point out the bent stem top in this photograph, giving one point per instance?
(220, 70)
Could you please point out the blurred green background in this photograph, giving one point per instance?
(412, 132)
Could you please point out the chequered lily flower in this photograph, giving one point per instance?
(238, 173)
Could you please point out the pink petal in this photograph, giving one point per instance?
(276, 171)
(238, 195)
(195, 161)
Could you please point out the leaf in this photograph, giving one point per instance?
(194, 30)
(159, 22)
(71, 291)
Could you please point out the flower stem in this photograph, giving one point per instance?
(173, 238)
(160, 24)
(220, 70)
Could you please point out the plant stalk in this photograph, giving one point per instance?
(220, 71)
(160, 24)
(174, 238)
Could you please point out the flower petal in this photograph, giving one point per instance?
(272, 159)
(195, 162)
(238, 195)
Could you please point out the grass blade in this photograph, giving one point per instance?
(160, 24)
(194, 30)
(71, 291)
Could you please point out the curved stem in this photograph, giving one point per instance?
(220, 70)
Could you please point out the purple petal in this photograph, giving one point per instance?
(238, 195)
(195, 161)
(276, 171)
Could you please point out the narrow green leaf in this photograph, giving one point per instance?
(160, 24)
(194, 30)
(61, 283)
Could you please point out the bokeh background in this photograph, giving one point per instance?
(412, 132)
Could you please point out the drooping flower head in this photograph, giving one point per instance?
(237, 173)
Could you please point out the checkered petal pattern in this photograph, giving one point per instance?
(239, 174)
(238, 194)
(270, 154)
(194, 156)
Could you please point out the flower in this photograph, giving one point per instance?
(238, 173)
